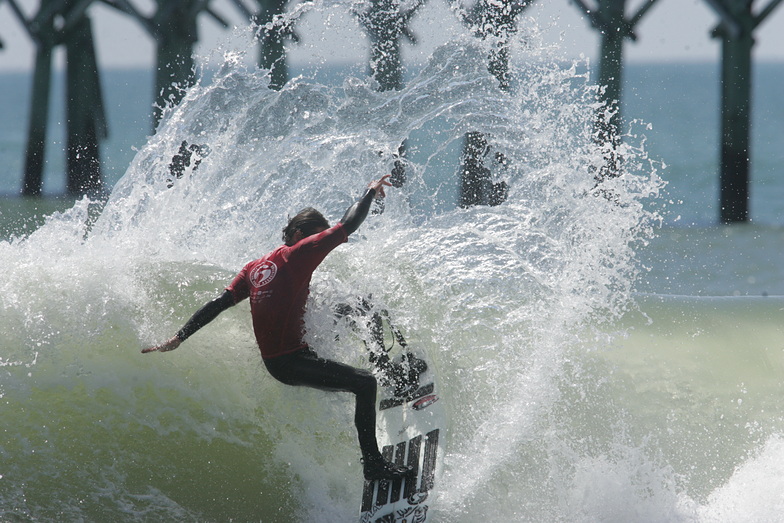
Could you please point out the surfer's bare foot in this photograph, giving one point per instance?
(378, 468)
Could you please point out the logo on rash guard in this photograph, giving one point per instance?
(263, 273)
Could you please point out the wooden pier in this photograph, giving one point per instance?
(736, 31)
(173, 28)
(737, 23)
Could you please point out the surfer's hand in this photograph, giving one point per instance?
(164, 347)
(378, 185)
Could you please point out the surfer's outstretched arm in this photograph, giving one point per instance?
(357, 213)
(200, 318)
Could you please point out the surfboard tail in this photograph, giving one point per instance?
(414, 489)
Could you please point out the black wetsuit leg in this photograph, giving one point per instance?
(306, 368)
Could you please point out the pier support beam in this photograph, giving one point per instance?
(387, 22)
(33, 181)
(272, 35)
(609, 18)
(496, 21)
(174, 28)
(736, 31)
(42, 33)
(85, 112)
(736, 71)
(476, 179)
(272, 30)
(176, 35)
(86, 121)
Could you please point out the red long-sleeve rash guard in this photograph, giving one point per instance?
(278, 286)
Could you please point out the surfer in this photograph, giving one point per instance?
(278, 285)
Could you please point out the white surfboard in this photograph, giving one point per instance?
(411, 431)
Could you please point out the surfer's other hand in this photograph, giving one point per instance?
(378, 185)
(165, 346)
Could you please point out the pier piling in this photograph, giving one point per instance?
(65, 22)
(609, 18)
(736, 31)
(86, 121)
(32, 182)
(41, 31)
(386, 23)
(173, 26)
(496, 20)
(272, 34)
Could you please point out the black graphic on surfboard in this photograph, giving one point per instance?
(401, 373)
(413, 491)
(410, 418)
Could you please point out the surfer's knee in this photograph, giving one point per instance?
(366, 382)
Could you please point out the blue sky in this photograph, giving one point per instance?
(673, 30)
